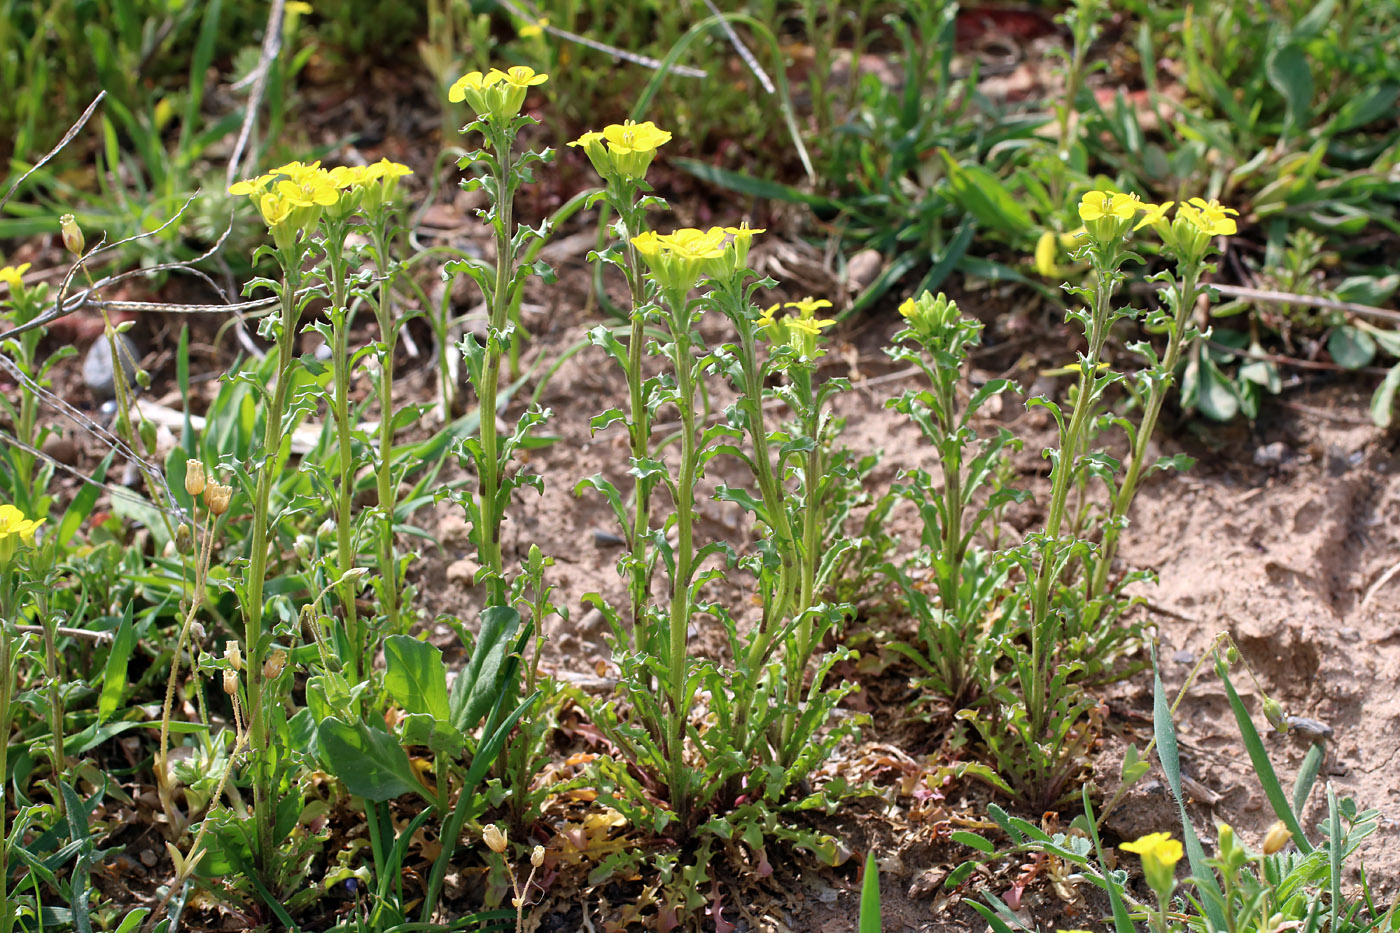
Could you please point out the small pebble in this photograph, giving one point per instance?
(1309, 727)
(61, 449)
(148, 858)
(1349, 634)
(98, 374)
(1184, 657)
(1273, 455)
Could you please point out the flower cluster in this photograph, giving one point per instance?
(15, 530)
(679, 259)
(293, 197)
(1108, 215)
(623, 150)
(799, 331)
(930, 317)
(496, 95)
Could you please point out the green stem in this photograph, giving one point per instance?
(388, 494)
(264, 811)
(488, 541)
(340, 410)
(7, 915)
(680, 585)
(1157, 395)
(639, 425)
(1044, 623)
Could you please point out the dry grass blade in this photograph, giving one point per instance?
(67, 138)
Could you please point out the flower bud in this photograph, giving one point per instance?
(493, 837)
(537, 856)
(147, 428)
(1273, 712)
(1276, 838)
(143, 379)
(72, 234)
(184, 538)
(197, 632)
(195, 478)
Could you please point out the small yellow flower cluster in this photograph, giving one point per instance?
(928, 315)
(293, 197)
(799, 331)
(679, 259)
(1108, 215)
(623, 150)
(496, 95)
(15, 529)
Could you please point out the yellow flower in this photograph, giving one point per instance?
(253, 187)
(1277, 837)
(473, 81)
(635, 137)
(13, 276)
(1153, 214)
(297, 6)
(523, 76)
(1160, 853)
(808, 306)
(352, 176)
(807, 325)
(1099, 204)
(623, 150)
(530, 30)
(676, 259)
(274, 208)
(1045, 253)
(387, 174)
(1211, 217)
(15, 529)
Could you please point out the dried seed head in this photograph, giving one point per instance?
(230, 682)
(537, 856)
(493, 837)
(195, 478)
(274, 664)
(217, 497)
(233, 655)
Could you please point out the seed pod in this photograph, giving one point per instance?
(230, 682)
(1273, 712)
(537, 857)
(143, 379)
(493, 837)
(217, 497)
(147, 430)
(233, 655)
(184, 538)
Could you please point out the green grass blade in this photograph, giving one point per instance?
(1307, 776)
(1122, 923)
(1334, 853)
(757, 187)
(1263, 767)
(870, 897)
(1169, 756)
